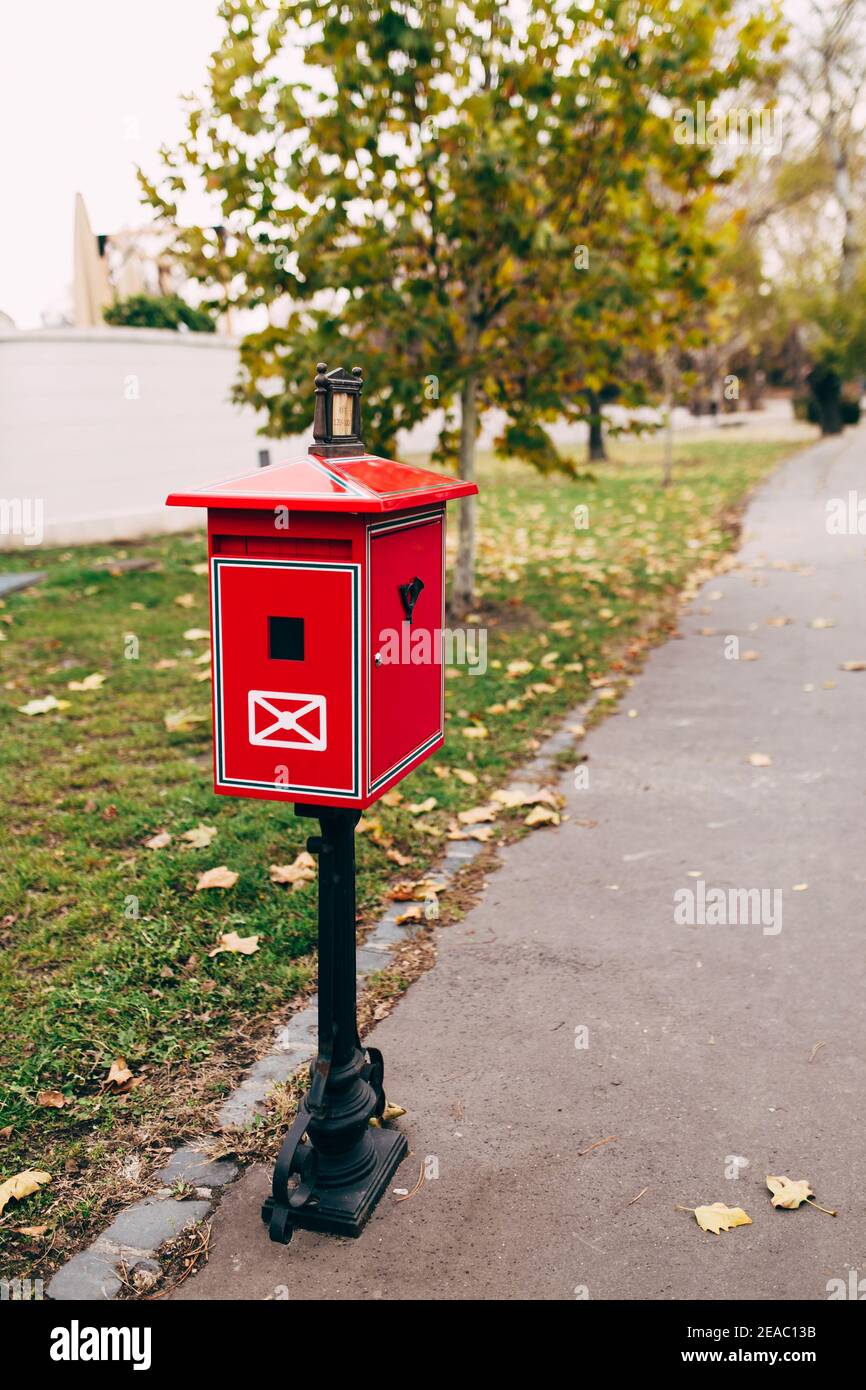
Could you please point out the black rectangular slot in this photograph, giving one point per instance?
(286, 639)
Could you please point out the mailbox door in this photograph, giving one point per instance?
(286, 670)
(405, 692)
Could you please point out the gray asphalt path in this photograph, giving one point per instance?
(699, 1036)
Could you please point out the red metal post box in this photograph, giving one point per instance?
(327, 579)
(327, 583)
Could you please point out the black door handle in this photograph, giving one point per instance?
(409, 593)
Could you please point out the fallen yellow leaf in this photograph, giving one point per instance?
(522, 795)
(119, 1075)
(760, 759)
(200, 836)
(220, 877)
(412, 914)
(420, 808)
(22, 1185)
(53, 1100)
(196, 634)
(159, 841)
(180, 720)
(790, 1192)
(474, 832)
(475, 731)
(542, 815)
(464, 775)
(185, 600)
(236, 945)
(44, 706)
(853, 666)
(397, 857)
(301, 870)
(718, 1217)
(477, 815)
(92, 682)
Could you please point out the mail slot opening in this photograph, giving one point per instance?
(286, 639)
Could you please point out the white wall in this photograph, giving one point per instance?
(102, 423)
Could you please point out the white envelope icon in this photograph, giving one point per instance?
(276, 715)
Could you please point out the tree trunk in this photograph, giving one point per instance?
(463, 591)
(668, 377)
(596, 437)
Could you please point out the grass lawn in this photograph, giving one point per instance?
(104, 943)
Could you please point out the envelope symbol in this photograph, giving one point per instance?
(278, 719)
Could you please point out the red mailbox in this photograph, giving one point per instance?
(327, 583)
(327, 579)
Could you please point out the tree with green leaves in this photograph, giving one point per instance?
(484, 203)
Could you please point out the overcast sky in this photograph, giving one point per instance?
(88, 89)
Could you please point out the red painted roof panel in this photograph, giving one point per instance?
(365, 483)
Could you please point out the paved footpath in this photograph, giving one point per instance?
(699, 1037)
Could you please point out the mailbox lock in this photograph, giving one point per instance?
(378, 659)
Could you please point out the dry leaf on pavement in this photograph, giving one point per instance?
(790, 1192)
(760, 759)
(522, 795)
(542, 815)
(718, 1217)
(477, 815)
(473, 832)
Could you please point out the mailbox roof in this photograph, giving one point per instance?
(364, 483)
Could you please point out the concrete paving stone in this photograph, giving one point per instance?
(10, 583)
(147, 1225)
(89, 1277)
(194, 1167)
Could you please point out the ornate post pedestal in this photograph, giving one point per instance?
(333, 1167)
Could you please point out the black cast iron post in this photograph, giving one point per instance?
(332, 1181)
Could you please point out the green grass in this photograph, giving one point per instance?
(104, 943)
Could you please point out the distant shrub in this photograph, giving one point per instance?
(158, 311)
(806, 408)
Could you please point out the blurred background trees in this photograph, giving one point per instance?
(492, 206)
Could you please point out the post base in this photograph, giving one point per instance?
(342, 1211)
